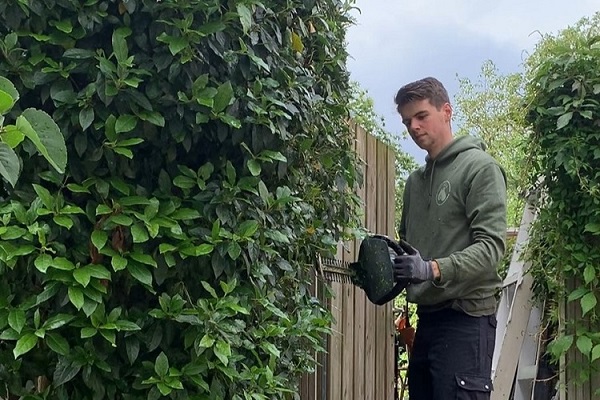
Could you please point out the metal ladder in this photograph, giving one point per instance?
(517, 352)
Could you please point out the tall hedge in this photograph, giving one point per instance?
(208, 162)
(563, 104)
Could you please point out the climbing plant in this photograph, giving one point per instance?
(209, 161)
(563, 102)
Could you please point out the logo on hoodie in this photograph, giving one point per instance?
(443, 193)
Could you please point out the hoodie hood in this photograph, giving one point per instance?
(458, 145)
(455, 147)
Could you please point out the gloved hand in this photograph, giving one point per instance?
(411, 266)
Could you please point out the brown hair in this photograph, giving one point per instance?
(424, 89)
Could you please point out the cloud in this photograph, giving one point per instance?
(395, 42)
(505, 22)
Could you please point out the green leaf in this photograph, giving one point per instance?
(185, 182)
(564, 120)
(99, 239)
(130, 142)
(234, 250)
(128, 326)
(63, 220)
(57, 321)
(577, 293)
(10, 90)
(63, 26)
(86, 117)
(230, 120)
(25, 344)
(125, 123)
(132, 346)
(119, 43)
(12, 136)
(76, 296)
(123, 151)
(595, 353)
(78, 54)
(209, 289)
(164, 389)
(44, 195)
(153, 117)
(247, 228)
(121, 219)
(589, 274)
(165, 248)
(593, 227)
(140, 273)
(118, 263)
(161, 366)
(270, 348)
(139, 233)
(57, 343)
(588, 302)
(273, 155)
(223, 351)
(82, 276)
(16, 319)
(584, 344)
(203, 249)
(39, 127)
(223, 98)
(245, 16)
(9, 334)
(62, 264)
(207, 341)
(65, 371)
(144, 259)
(88, 332)
(103, 209)
(254, 167)
(10, 165)
(6, 102)
(185, 214)
(42, 262)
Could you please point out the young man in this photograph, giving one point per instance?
(454, 217)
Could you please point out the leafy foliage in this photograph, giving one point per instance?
(172, 257)
(33, 124)
(563, 99)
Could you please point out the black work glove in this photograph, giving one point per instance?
(411, 266)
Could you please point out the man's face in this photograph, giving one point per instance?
(428, 126)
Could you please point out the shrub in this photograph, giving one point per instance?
(208, 162)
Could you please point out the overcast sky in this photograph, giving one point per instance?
(395, 42)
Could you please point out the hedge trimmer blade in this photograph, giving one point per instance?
(333, 270)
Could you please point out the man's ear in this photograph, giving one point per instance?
(447, 109)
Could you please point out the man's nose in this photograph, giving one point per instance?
(414, 126)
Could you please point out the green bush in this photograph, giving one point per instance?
(209, 161)
(564, 112)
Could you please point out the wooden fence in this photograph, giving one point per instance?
(360, 361)
(570, 389)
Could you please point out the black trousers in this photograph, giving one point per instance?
(452, 356)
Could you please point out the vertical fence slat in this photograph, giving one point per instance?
(370, 309)
(359, 295)
(391, 231)
(381, 201)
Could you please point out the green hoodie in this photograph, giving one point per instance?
(455, 213)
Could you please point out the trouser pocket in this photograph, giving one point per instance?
(473, 387)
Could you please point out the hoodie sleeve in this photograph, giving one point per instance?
(486, 210)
